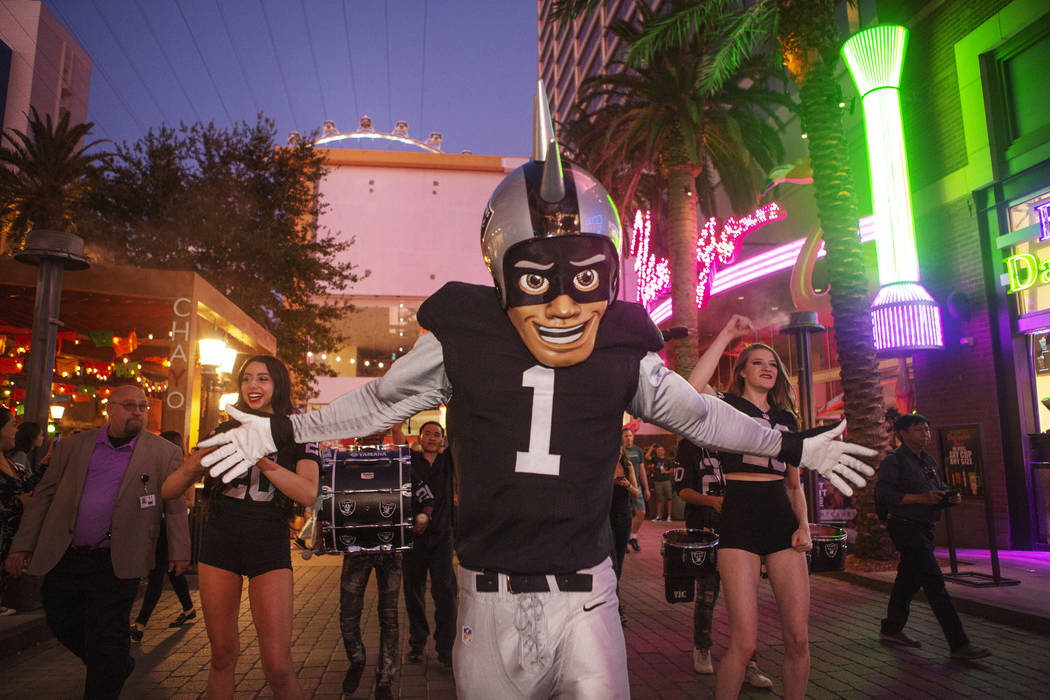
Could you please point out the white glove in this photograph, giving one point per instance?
(239, 448)
(831, 458)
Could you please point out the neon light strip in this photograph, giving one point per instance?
(1044, 220)
(757, 266)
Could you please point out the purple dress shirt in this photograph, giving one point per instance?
(101, 485)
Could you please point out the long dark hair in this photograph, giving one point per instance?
(781, 396)
(25, 436)
(281, 402)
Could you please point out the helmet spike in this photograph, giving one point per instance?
(542, 126)
(552, 187)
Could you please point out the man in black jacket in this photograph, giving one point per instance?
(911, 492)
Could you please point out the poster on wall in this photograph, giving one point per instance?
(834, 505)
(961, 452)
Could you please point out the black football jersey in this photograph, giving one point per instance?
(698, 469)
(534, 447)
(776, 419)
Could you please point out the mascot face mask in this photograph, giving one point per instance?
(557, 291)
(551, 240)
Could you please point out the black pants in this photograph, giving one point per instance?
(433, 555)
(155, 582)
(356, 570)
(621, 529)
(87, 608)
(918, 568)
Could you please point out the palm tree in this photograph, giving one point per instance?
(654, 119)
(42, 177)
(809, 42)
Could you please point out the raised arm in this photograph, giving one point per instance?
(700, 377)
(665, 399)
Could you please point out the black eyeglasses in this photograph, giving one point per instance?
(130, 406)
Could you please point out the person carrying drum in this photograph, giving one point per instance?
(536, 374)
(698, 481)
(357, 568)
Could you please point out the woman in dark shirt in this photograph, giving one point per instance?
(763, 517)
(246, 534)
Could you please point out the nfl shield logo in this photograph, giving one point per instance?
(347, 507)
(347, 540)
(831, 549)
(385, 536)
(467, 634)
(698, 556)
(386, 509)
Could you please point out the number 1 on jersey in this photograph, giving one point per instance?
(539, 460)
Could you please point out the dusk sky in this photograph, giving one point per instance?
(465, 68)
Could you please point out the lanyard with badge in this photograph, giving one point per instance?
(147, 499)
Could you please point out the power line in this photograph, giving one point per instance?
(386, 21)
(423, 70)
(207, 70)
(236, 54)
(101, 70)
(313, 55)
(164, 53)
(131, 63)
(280, 68)
(350, 59)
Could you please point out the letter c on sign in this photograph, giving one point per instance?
(175, 307)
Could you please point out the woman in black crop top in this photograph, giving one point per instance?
(763, 516)
(246, 535)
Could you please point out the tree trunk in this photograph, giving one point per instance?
(682, 232)
(809, 39)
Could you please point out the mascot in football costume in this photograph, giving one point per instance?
(536, 374)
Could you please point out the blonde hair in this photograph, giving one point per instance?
(781, 396)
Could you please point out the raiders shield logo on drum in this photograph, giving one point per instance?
(386, 509)
(347, 507)
(385, 536)
(831, 549)
(698, 556)
(347, 540)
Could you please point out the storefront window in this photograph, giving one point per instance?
(1028, 264)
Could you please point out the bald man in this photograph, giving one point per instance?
(91, 529)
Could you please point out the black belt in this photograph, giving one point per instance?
(488, 582)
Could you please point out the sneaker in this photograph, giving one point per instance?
(183, 618)
(415, 655)
(634, 544)
(900, 639)
(968, 652)
(754, 677)
(702, 661)
(135, 632)
(7, 611)
(353, 677)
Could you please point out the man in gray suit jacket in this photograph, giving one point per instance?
(91, 530)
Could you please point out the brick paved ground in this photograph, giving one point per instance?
(848, 661)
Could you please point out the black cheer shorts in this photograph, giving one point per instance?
(756, 516)
(247, 539)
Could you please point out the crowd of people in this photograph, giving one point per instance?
(536, 374)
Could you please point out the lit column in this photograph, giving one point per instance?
(904, 315)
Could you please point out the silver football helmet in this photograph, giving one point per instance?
(543, 198)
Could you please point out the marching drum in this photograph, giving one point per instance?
(366, 498)
(687, 554)
(829, 548)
